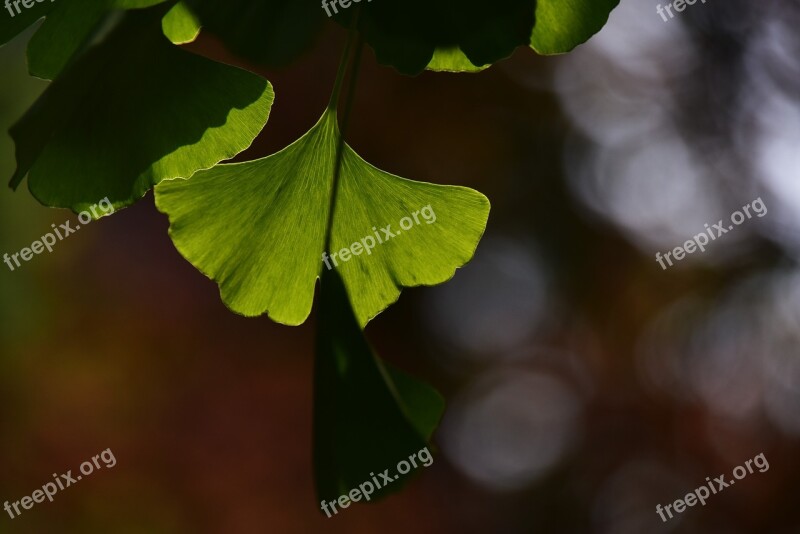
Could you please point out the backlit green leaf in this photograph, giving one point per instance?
(180, 24)
(561, 25)
(258, 228)
(452, 60)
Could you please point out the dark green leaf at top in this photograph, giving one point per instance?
(269, 32)
(16, 18)
(66, 30)
(406, 33)
(131, 112)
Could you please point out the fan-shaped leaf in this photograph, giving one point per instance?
(258, 228)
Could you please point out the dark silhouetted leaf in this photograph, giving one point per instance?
(131, 112)
(405, 34)
(268, 32)
(366, 418)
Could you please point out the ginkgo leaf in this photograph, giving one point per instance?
(64, 32)
(67, 29)
(422, 405)
(180, 24)
(452, 60)
(71, 24)
(56, 41)
(258, 228)
(269, 32)
(367, 417)
(406, 34)
(561, 25)
(131, 112)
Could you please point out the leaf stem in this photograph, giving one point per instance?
(351, 90)
(352, 33)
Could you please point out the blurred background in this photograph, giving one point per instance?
(585, 384)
